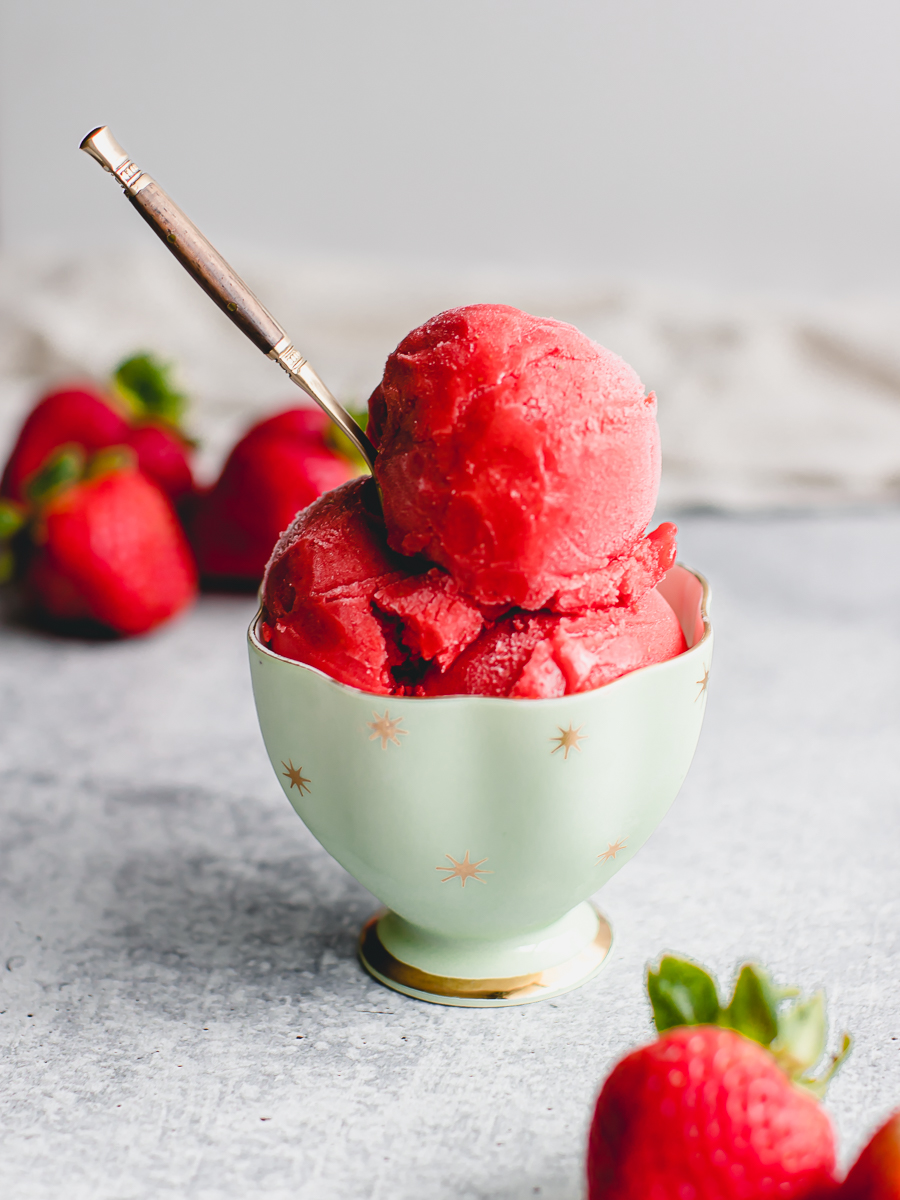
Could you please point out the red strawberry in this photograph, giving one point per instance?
(107, 544)
(702, 1113)
(79, 416)
(876, 1173)
(143, 413)
(163, 456)
(720, 1107)
(156, 409)
(277, 468)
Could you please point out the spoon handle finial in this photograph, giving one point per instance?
(222, 284)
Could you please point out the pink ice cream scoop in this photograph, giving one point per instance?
(518, 465)
(523, 458)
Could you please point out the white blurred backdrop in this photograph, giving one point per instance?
(744, 142)
(709, 187)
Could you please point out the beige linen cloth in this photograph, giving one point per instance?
(763, 403)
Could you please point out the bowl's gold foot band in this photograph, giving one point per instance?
(380, 963)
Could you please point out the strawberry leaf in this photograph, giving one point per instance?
(12, 518)
(58, 471)
(801, 1035)
(818, 1085)
(110, 459)
(682, 993)
(144, 383)
(753, 1006)
(7, 563)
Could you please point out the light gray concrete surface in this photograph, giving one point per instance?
(181, 1011)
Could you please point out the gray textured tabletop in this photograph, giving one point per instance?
(181, 1010)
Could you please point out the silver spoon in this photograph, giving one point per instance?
(201, 260)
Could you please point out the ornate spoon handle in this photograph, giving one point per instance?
(201, 260)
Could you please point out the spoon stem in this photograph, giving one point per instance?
(222, 284)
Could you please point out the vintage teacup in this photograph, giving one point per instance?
(484, 824)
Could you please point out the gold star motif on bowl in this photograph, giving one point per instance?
(463, 870)
(295, 775)
(612, 849)
(386, 729)
(568, 739)
(702, 683)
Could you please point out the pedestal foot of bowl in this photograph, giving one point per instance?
(484, 974)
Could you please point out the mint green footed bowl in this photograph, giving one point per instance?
(481, 824)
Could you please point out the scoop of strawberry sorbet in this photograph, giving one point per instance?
(543, 655)
(521, 457)
(518, 465)
(335, 596)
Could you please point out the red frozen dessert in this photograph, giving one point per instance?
(523, 458)
(544, 655)
(319, 587)
(518, 465)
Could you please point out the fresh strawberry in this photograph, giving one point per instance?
(721, 1106)
(876, 1173)
(105, 544)
(156, 408)
(142, 411)
(81, 416)
(277, 468)
(163, 456)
